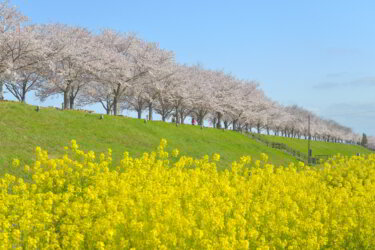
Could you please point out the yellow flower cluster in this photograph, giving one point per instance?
(81, 201)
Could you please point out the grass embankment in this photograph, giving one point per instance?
(318, 147)
(22, 129)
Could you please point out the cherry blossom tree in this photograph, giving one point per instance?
(11, 21)
(135, 97)
(26, 71)
(67, 69)
(245, 97)
(97, 92)
(271, 115)
(371, 142)
(224, 84)
(125, 59)
(22, 83)
(153, 89)
(202, 92)
(180, 93)
(278, 118)
(122, 71)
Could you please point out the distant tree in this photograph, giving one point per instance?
(371, 142)
(364, 140)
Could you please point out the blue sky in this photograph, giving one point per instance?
(316, 54)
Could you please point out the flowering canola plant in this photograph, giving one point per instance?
(162, 201)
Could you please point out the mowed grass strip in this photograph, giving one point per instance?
(319, 147)
(22, 129)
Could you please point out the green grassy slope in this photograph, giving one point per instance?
(22, 129)
(318, 147)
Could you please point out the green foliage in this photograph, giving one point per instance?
(364, 140)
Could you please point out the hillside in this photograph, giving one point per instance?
(22, 129)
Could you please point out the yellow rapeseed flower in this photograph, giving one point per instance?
(152, 202)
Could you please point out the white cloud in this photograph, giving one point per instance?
(359, 116)
(360, 82)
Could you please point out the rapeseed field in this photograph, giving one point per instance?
(165, 200)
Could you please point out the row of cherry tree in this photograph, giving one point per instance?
(121, 71)
(371, 142)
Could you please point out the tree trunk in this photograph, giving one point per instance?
(23, 97)
(182, 118)
(66, 98)
(1, 91)
(115, 106)
(23, 94)
(200, 118)
(200, 121)
(176, 112)
(116, 94)
(218, 125)
(139, 111)
(150, 111)
(258, 128)
(226, 124)
(67, 91)
(108, 107)
(71, 102)
(234, 125)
